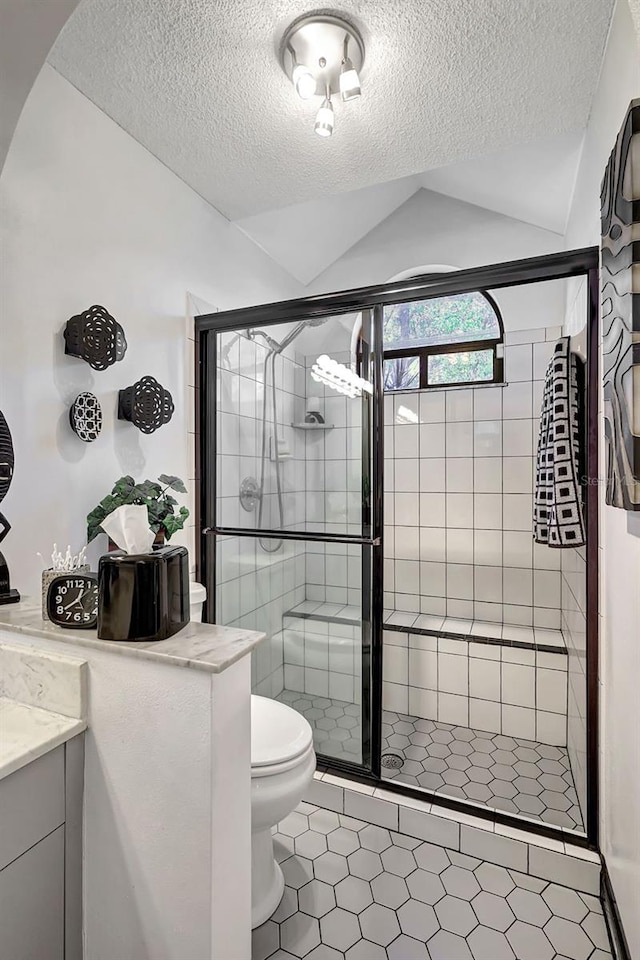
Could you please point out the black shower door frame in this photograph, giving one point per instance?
(582, 262)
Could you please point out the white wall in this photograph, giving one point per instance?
(89, 216)
(620, 531)
(433, 228)
(28, 29)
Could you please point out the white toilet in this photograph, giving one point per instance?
(282, 766)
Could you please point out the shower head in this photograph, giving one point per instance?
(276, 347)
(312, 322)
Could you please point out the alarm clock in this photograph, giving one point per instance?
(72, 600)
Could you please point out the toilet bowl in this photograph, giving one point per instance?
(282, 766)
(197, 596)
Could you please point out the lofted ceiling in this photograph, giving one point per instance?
(198, 83)
(532, 182)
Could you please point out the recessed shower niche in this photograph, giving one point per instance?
(386, 441)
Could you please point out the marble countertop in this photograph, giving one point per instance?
(28, 732)
(201, 646)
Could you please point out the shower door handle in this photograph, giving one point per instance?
(289, 535)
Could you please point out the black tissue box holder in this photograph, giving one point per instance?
(143, 596)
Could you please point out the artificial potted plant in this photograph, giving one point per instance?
(163, 519)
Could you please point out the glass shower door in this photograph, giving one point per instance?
(289, 512)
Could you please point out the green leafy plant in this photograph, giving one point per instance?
(153, 494)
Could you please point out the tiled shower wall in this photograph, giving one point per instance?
(494, 687)
(574, 586)
(574, 628)
(459, 475)
(256, 587)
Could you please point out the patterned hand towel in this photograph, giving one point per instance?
(557, 509)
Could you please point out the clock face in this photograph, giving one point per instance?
(72, 600)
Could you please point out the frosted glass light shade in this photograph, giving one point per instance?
(349, 81)
(304, 82)
(325, 119)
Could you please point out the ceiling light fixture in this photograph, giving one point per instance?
(322, 55)
(325, 117)
(349, 78)
(304, 81)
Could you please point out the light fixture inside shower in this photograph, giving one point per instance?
(322, 54)
(339, 377)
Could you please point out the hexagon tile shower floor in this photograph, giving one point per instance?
(359, 892)
(511, 774)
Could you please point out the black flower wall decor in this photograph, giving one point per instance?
(620, 280)
(85, 417)
(95, 336)
(146, 404)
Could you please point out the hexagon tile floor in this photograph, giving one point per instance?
(358, 892)
(519, 776)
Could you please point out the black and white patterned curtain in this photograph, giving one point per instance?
(557, 511)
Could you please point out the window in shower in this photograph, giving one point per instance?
(442, 341)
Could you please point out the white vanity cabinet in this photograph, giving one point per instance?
(41, 857)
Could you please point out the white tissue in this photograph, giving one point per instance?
(128, 526)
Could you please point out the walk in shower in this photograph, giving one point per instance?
(368, 465)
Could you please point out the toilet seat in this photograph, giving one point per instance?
(280, 737)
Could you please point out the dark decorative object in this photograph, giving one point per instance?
(72, 600)
(85, 417)
(146, 404)
(96, 337)
(7, 595)
(163, 519)
(620, 214)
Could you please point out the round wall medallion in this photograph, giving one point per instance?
(85, 417)
(146, 404)
(6, 457)
(96, 337)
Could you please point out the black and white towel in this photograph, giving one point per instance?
(557, 512)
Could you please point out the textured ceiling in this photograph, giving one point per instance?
(532, 182)
(198, 83)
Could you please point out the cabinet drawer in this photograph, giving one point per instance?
(32, 902)
(31, 804)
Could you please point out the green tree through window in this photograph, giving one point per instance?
(433, 342)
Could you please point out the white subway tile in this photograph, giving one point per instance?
(395, 697)
(518, 722)
(494, 848)
(453, 709)
(459, 474)
(432, 406)
(551, 728)
(564, 869)
(423, 668)
(453, 674)
(487, 438)
(518, 363)
(487, 403)
(423, 703)
(485, 715)
(325, 795)
(371, 809)
(432, 440)
(551, 689)
(458, 405)
(433, 829)
(459, 439)
(518, 685)
(484, 680)
(517, 401)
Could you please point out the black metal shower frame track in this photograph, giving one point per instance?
(555, 266)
